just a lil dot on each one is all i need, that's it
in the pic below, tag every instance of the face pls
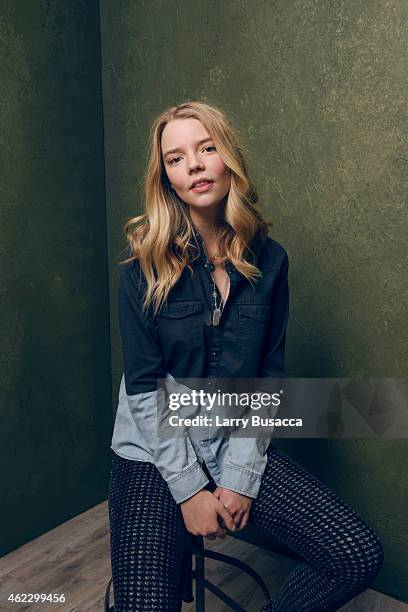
(189, 155)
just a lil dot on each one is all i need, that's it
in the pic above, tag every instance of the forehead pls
(182, 131)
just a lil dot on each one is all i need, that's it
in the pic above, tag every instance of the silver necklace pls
(219, 308)
(216, 316)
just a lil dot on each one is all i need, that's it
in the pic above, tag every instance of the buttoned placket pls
(214, 351)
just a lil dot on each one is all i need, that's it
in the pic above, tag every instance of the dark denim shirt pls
(181, 342)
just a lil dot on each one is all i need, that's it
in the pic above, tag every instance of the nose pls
(194, 163)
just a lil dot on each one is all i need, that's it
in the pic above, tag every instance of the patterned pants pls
(341, 553)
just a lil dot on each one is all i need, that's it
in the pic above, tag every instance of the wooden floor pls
(74, 559)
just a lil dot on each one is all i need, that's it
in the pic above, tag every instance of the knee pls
(363, 560)
(376, 556)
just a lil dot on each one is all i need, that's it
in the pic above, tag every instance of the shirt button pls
(213, 353)
(203, 443)
(211, 267)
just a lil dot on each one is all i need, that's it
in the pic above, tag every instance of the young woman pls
(204, 294)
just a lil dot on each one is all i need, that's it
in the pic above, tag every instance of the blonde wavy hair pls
(163, 238)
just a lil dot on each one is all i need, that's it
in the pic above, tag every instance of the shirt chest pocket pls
(180, 325)
(252, 326)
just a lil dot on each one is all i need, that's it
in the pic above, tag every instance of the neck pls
(207, 227)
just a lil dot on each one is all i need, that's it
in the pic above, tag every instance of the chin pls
(205, 204)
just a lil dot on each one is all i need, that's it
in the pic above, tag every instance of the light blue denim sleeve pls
(246, 463)
(174, 457)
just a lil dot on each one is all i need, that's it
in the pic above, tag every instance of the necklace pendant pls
(216, 316)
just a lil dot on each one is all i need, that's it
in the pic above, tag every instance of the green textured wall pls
(318, 90)
(55, 353)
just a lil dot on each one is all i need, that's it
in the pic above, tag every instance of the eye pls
(209, 147)
(173, 160)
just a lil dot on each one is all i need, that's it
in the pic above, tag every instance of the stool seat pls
(194, 547)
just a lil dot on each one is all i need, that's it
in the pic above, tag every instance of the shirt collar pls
(229, 265)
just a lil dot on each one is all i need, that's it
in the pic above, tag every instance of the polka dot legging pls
(341, 553)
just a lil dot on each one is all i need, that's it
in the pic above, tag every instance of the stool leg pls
(199, 574)
(107, 606)
(187, 571)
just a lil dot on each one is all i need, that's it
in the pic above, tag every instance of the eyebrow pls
(200, 142)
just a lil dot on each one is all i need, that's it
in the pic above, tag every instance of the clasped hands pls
(211, 514)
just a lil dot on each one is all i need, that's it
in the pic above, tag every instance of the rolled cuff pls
(187, 483)
(240, 480)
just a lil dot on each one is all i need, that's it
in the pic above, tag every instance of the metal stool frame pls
(195, 547)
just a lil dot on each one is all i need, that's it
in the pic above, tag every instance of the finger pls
(238, 519)
(221, 533)
(243, 525)
(226, 516)
(244, 521)
(221, 523)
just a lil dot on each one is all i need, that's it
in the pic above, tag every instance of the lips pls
(202, 187)
(201, 183)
